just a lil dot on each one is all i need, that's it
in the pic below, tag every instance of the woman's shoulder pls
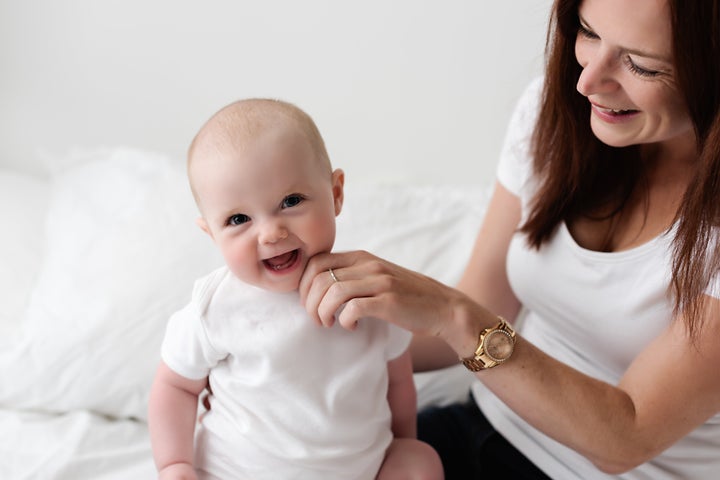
(515, 164)
(529, 101)
(713, 287)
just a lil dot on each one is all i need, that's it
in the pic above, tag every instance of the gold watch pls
(495, 345)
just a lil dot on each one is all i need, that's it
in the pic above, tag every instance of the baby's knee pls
(410, 459)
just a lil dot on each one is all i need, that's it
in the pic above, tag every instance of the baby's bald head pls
(236, 127)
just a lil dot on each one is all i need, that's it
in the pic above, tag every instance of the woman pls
(602, 229)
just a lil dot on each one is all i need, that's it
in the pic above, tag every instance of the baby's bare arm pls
(172, 416)
(402, 396)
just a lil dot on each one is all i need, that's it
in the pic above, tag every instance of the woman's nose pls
(598, 72)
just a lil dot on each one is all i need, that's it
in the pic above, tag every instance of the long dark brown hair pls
(580, 175)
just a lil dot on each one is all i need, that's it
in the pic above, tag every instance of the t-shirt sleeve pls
(515, 164)
(186, 348)
(713, 288)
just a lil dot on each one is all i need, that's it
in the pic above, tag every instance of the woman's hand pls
(368, 286)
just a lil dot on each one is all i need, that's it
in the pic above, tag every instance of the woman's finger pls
(320, 264)
(327, 295)
(367, 286)
(317, 281)
(357, 288)
(317, 294)
(314, 265)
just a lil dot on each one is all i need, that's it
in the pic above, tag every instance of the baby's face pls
(269, 209)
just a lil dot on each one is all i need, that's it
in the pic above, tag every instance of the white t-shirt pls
(594, 311)
(291, 399)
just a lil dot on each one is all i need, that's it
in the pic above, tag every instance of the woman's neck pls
(653, 205)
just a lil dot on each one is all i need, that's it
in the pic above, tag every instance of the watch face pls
(499, 345)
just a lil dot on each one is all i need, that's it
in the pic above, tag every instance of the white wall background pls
(413, 91)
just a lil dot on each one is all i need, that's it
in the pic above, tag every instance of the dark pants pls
(470, 448)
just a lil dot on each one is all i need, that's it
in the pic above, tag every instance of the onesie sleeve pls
(515, 164)
(398, 341)
(187, 348)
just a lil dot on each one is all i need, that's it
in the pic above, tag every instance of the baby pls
(289, 399)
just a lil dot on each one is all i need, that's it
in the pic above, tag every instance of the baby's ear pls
(202, 223)
(338, 182)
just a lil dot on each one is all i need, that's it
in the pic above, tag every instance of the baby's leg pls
(410, 459)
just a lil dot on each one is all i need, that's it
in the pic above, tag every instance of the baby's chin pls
(273, 283)
(286, 284)
(281, 288)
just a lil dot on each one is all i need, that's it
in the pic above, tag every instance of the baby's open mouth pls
(283, 261)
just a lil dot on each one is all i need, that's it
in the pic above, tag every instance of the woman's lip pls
(612, 115)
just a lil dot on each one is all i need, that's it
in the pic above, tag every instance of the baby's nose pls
(273, 233)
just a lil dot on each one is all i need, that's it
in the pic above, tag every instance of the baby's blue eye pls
(238, 219)
(292, 200)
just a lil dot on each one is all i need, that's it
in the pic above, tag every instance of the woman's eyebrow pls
(632, 51)
(654, 56)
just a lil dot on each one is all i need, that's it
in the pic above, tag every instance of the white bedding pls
(73, 446)
(95, 258)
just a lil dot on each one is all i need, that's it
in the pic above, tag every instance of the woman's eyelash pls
(586, 32)
(639, 70)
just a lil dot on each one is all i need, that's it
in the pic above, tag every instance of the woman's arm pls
(402, 397)
(484, 279)
(370, 286)
(171, 417)
(670, 388)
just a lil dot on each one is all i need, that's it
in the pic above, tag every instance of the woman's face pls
(625, 50)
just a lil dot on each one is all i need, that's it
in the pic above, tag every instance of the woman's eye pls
(238, 219)
(586, 32)
(638, 70)
(292, 200)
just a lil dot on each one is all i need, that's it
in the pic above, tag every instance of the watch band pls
(482, 359)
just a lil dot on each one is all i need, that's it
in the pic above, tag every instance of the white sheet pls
(73, 446)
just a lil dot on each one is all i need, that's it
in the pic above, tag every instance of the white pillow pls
(23, 203)
(430, 229)
(121, 256)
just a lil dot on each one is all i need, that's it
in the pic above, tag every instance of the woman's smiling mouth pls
(612, 115)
